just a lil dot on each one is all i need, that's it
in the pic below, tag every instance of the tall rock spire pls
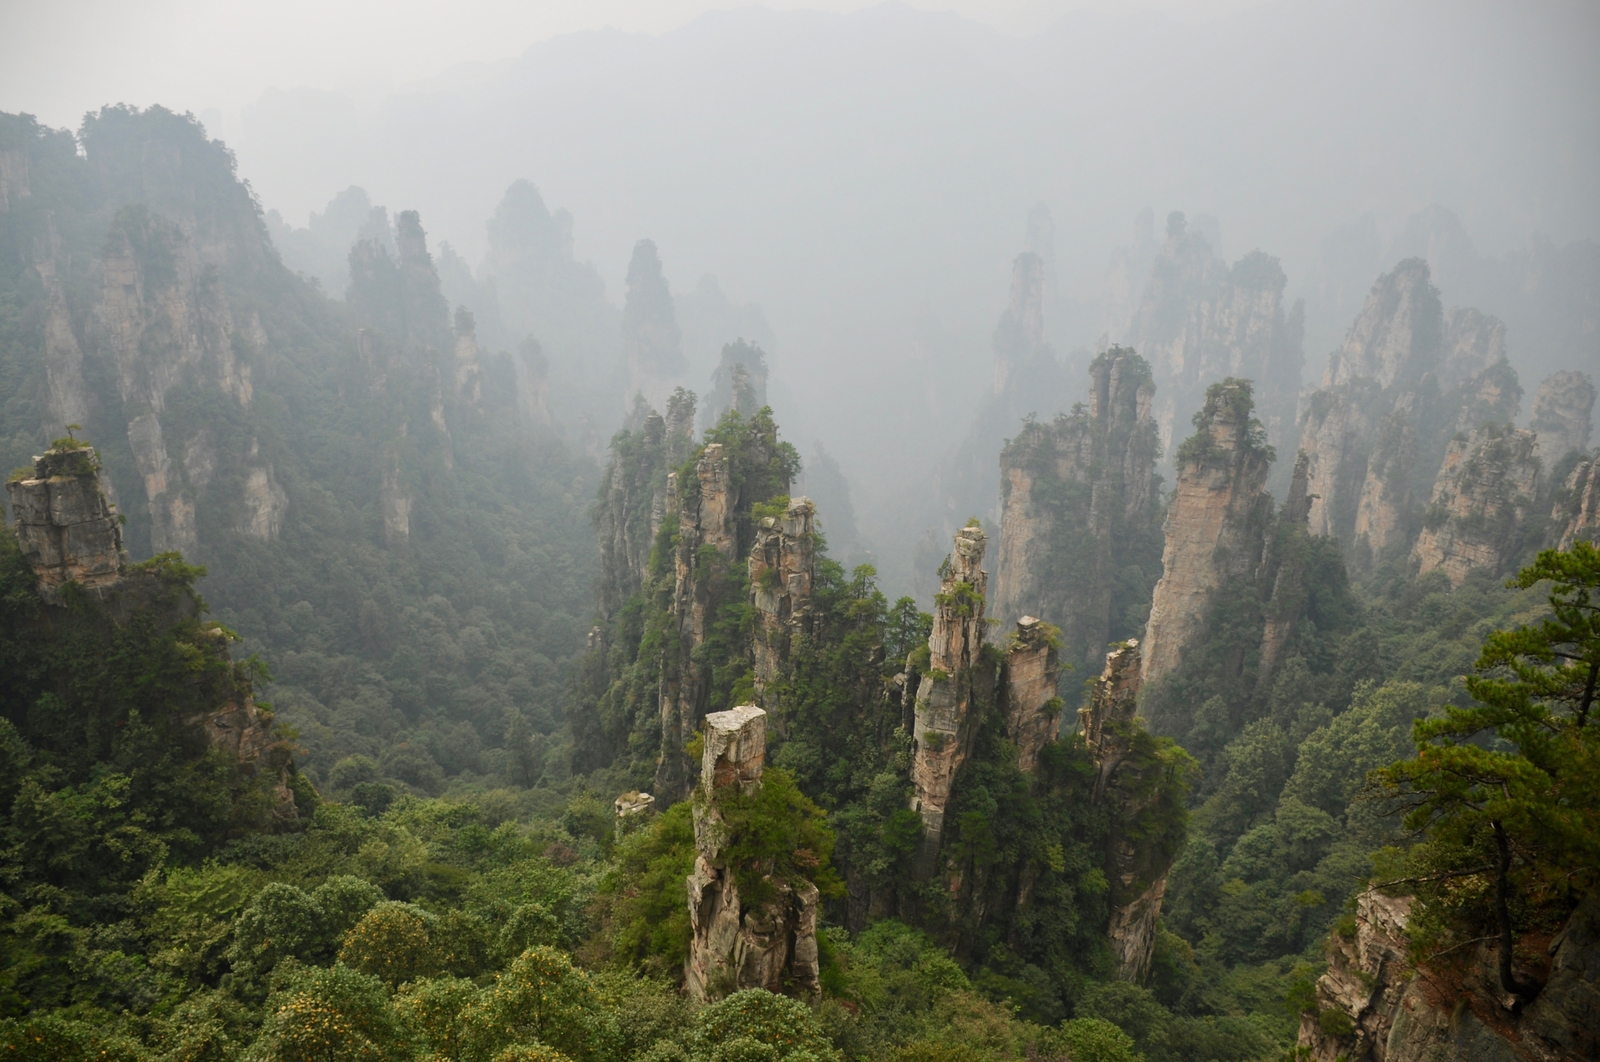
(1481, 500)
(945, 696)
(1215, 524)
(1078, 508)
(652, 346)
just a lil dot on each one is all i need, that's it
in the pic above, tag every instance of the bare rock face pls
(1576, 513)
(739, 382)
(1491, 396)
(944, 699)
(1111, 707)
(468, 364)
(1562, 411)
(395, 501)
(1367, 975)
(1473, 341)
(1382, 514)
(1399, 334)
(1484, 492)
(1456, 1012)
(69, 533)
(782, 569)
(1215, 524)
(705, 519)
(1334, 434)
(1028, 700)
(735, 944)
(1076, 495)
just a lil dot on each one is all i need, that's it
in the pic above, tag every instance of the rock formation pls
(1473, 341)
(1078, 507)
(1020, 334)
(1562, 411)
(739, 382)
(467, 363)
(1199, 321)
(782, 569)
(1283, 570)
(736, 944)
(1028, 700)
(706, 543)
(1454, 1010)
(68, 532)
(1576, 512)
(1136, 864)
(1216, 522)
(1398, 336)
(1484, 493)
(945, 706)
(1384, 508)
(651, 345)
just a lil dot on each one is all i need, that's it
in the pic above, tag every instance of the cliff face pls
(1455, 1012)
(1215, 524)
(1484, 493)
(1399, 334)
(736, 944)
(782, 570)
(1284, 572)
(1562, 411)
(1019, 337)
(945, 706)
(1078, 508)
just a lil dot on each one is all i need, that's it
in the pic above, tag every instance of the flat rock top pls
(734, 718)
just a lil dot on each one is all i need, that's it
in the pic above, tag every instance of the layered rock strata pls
(706, 543)
(735, 944)
(1029, 703)
(68, 531)
(1483, 495)
(1216, 522)
(1562, 411)
(1077, 498)
(1367, 975)
(782, 569)
(945, 695)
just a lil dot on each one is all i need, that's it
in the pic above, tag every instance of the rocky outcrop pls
(651, 344)
(945, 707)
(1576, 512)
(1112, 705)
(1562, 411)
(395, 501)
(467, 364)
(736, 944)
(1384, 508)
(782, 570)
(1216, 522)
(1481, 500)
(706, 544)
(1373, 1006)
(1029, 677)
(1020, 334)
(1367, 975)
(1078, 507)
(68, 532)
(1473, 341)
(1200, 320)
(1492, 396)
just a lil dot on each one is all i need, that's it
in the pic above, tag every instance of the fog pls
(858, 179)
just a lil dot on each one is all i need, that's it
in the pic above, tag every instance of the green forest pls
(384, 729)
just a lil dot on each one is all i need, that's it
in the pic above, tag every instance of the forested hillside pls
(472, 750)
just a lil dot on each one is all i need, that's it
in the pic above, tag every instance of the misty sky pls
(61, 58)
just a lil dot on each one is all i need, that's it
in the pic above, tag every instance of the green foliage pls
(642, 900)
(776, 834)
(739, 1027)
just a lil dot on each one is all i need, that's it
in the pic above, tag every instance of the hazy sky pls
(60, 58)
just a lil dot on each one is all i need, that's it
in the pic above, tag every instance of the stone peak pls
(735, 747)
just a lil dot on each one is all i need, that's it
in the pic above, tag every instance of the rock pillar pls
(944, 704)
(69, 533)
(736, 944)
(1028, 700)
(1215, 525)
(1562, 410)
(782, 569)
